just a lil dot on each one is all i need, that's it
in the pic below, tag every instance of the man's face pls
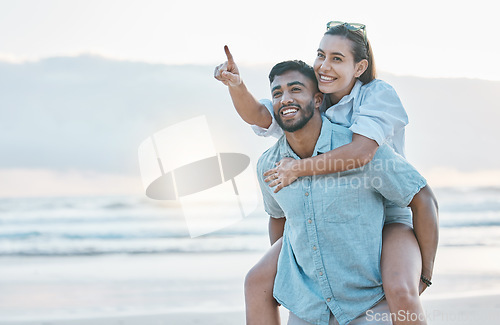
(293, 100)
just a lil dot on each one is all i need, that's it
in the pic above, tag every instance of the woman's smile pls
(326, 79)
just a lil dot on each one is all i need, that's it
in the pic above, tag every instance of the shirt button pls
(320, 273)
(310, 221)
(307, 193)
(328, 299)
(314, 247)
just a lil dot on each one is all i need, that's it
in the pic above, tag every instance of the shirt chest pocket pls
(341, 204)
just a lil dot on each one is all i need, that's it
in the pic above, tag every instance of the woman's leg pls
(261, 307)
(401, 265)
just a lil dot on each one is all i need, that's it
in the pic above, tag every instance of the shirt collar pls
(344, 100)
(323, 144)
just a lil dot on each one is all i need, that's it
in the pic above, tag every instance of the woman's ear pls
(361, 67)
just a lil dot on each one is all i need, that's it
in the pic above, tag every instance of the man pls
(329, 265)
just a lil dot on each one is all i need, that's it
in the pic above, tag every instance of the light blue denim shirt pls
(373, 110)
(330, 258)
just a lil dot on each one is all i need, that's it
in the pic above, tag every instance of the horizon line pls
(19, 60)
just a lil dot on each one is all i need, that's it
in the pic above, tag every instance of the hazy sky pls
(428, 38)
(431, 38)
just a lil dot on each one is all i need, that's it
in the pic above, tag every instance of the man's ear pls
(361, 67)
(318, 99)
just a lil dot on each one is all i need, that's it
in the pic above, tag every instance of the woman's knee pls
(257, 277)
(402, 292)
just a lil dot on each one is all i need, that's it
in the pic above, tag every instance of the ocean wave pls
(483, 206)
(118, 206)
(20, 236)
(36, 253)
(106, 236)
(69, 219)
(470, 224)
(131, 225)
(468, 190)
(469, 245)
(99, 246)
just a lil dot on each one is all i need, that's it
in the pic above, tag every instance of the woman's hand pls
(228, 72)
(284, 174)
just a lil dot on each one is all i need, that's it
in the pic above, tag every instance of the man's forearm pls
(426, 226)
(249, 108)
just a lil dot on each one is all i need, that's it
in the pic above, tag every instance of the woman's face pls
(335, 68)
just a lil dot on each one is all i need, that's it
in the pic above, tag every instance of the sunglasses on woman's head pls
(350, 26)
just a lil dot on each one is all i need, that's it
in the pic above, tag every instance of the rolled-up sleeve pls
(270, 205)
(274, 129)
(381, 113)
(393, 177)
(395, 214)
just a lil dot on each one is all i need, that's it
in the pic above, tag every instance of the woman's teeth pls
(326, 78)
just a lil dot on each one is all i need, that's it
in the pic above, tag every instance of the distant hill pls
(92, 113)
(453, 122)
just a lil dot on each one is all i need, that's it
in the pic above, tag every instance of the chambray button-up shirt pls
(330, 258)
(373, 110)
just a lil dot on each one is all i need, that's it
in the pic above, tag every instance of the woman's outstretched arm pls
(249, 108)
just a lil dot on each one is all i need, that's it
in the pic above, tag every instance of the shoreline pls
(188, 289)
(456, 311)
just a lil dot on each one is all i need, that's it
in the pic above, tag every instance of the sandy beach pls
(205, 289)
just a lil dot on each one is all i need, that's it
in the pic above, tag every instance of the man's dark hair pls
(295, 65)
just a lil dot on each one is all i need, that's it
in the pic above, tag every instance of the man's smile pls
(289, 111)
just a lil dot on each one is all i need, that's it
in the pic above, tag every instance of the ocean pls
(72, 226)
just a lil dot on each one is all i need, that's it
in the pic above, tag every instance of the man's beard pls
(308, 113)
